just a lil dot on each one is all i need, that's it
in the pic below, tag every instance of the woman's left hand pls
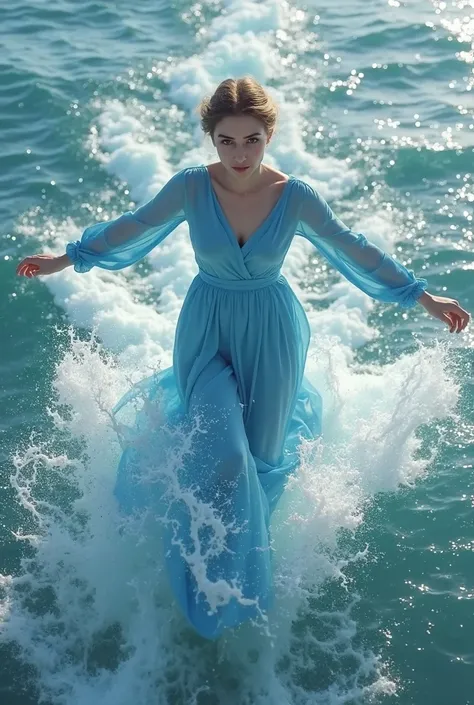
(447, 310)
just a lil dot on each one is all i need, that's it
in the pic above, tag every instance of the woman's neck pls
(238, 186)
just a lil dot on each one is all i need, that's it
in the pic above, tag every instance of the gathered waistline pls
(240, 284)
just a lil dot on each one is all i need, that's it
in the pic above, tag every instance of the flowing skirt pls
(211, 442)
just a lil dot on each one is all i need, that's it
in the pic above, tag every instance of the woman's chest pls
(245, 215)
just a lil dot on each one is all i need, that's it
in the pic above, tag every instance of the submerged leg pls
(217, 546)
(282, 408)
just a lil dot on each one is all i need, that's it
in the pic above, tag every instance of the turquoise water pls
(374, 540)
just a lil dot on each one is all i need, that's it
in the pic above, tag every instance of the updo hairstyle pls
(238, 96)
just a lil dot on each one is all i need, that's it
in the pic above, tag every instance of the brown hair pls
(238, 96)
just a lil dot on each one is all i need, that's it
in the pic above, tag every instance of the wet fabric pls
(230, 413)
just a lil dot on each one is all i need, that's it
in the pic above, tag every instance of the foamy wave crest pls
(91, 610)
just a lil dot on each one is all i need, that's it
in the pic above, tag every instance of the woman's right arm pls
(42, 264)
(121, 242)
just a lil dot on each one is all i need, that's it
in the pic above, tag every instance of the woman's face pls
(240, 141)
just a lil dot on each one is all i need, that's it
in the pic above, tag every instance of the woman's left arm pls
(366, 265)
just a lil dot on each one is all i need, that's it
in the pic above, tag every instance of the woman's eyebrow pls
(245, 138)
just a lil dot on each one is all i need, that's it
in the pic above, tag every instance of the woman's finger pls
(447, 319)
(25, 262)
(460, 316)
(461, 323)
(464, 317)
(23, 267)
(457, 322)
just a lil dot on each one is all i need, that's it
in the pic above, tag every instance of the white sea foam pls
(109, 607)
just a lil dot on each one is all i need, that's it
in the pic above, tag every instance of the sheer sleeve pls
(360, 261)
(118, 243)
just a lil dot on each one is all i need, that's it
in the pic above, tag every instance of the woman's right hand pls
(40, 265)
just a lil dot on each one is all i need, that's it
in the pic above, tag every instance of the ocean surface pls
(374, 539)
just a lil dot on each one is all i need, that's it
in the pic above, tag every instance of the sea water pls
(373, 538)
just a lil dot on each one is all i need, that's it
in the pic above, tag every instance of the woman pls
(237, 386)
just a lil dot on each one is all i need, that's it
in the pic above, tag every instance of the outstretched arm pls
(120, 242)
(366, 265)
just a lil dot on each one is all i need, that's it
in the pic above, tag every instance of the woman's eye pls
(252, 139)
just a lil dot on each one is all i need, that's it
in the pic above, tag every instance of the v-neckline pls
(241, 248)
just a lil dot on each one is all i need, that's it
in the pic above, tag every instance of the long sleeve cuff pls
(74, 254)
(413, 293)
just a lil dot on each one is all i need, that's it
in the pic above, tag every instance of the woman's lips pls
(240, 168)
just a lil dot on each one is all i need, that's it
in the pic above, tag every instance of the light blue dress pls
(238, 373)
